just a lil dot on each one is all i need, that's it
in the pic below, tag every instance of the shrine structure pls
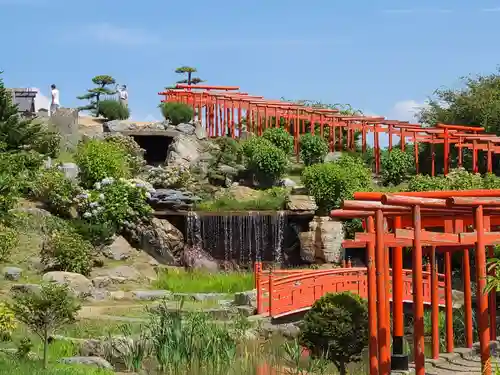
(226, 111)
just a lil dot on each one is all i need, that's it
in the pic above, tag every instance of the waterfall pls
(240, 238)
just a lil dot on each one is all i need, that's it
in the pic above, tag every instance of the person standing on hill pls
(54, 103)
(123, 96)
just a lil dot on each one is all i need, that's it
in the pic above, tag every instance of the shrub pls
(396, 166)
(457, 179)
(67, 251)
(7, 322)
(55, 190)
(113, 110)
(280, 138)
(9, 193)
(331, 183)
(336, 327)
(115, 204)
(177, 113)
(250, 145)
(273, 199)
(98, 160)
(135, 153)
(45, 311)
(9, 239)
(313, 149)
(268, 163)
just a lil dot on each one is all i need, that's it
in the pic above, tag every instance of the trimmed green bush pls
(267, 162)
(113, 110)
(336, 328)
(331, 183)
(67, 251)
(313, 149)
(397, 166)
(177, 113)
(457, 179)
(280, 138)
(98, 160)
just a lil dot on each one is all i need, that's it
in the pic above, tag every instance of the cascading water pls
(239, 238)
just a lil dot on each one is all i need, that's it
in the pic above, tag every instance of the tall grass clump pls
(182, 281)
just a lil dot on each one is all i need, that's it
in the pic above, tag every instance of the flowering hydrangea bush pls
(118, 202)
(170, 177)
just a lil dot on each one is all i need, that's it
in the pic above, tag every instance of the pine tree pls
(18, 134)
(94, 95)
(190, 80)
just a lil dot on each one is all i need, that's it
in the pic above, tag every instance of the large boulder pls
(301, 203)
(185, 150)
(87, 361)
(161, 240)
(323, 241)
(78, 284)
(120, 249)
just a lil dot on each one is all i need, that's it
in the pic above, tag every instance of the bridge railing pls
(282, 292)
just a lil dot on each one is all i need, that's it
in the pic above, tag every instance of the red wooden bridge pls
(286, 292)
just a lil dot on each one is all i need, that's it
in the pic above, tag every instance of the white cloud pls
(406, 110)
(41, 101)
(108, 33)
(491, 9)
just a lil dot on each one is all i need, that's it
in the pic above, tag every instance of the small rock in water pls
(87, 361)
(12, 273)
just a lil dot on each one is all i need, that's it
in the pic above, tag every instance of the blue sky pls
(384, 57)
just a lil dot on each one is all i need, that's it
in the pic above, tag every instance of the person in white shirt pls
(54, 104)
(123, 96)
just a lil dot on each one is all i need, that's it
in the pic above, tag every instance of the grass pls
(181, 281)
(273, 199)
(17, 367)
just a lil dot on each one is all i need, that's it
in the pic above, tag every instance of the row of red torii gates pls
(224, 110)
(429, 223)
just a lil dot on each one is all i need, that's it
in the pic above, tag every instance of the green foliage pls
(267, 163)
(397, 165)
(116, 204)
(94, 95)
(313, 149)
(52, 188)
(336, 328)
(9, 193)
(18, 134)
(45, 311)
(135, 154)
(273, 199)
(179, 342)
(9, 238)
(457, 179)
(188, 71)
(251, 144)
(113, 110)
(98, 160)
(7, 322)
(67, 251)
(226, 160)
(280, 138)
(177, 113)
(331, 183)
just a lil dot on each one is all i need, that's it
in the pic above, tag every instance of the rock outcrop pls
(323, 241)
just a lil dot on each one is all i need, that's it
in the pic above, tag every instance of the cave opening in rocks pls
(155, 147)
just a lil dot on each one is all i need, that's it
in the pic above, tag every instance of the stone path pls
(461, 361)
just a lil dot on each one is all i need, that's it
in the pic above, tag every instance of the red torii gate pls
(226, 109)
(453, 212)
